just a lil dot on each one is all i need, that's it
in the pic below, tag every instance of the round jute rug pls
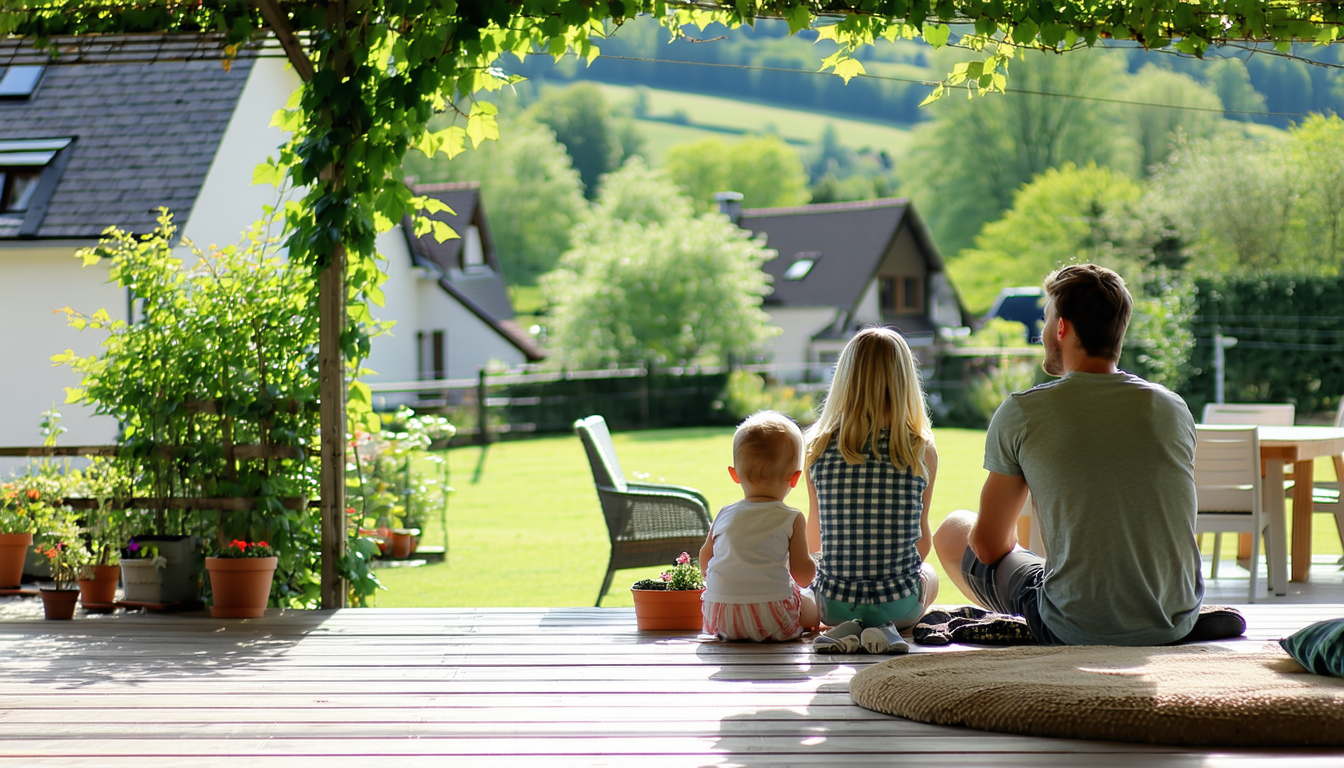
(1187, 695)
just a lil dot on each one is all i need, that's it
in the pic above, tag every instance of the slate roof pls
(484, 293)
(145, 135)
(852, 238)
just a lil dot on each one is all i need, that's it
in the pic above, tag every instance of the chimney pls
(730, 204)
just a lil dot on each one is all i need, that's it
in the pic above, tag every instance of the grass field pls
(530, 532)
(711, 116)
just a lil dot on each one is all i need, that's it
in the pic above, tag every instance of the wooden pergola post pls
(331, 390)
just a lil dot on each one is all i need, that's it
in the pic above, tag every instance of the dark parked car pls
(1022, 305)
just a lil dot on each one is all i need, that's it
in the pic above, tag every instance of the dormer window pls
(19, 81)
(28, 174)
(802, 264)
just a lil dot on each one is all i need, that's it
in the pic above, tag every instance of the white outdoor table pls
(1300, 446)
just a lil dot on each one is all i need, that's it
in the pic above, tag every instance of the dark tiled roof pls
(852, 239)
(484, 292)
(486, 288)
(145, 135)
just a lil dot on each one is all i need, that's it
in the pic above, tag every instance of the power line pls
(931, 83)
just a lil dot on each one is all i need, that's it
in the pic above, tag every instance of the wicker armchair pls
(649, 523)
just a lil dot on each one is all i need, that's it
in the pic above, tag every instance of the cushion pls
(1319, 647)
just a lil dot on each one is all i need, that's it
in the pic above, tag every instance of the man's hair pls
(767, 446)
(1096, 301)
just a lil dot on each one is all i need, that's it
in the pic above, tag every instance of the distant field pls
(732, 117)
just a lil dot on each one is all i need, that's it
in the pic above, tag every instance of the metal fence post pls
(482, 412)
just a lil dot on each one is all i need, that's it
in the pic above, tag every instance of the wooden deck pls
(572, 686)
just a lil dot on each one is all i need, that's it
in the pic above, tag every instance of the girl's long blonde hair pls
(875, 387)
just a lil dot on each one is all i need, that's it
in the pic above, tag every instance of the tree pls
(1233, 199)
(649, 280)
(764, 169)
(582, 122)
(1318, 149)
(1233, 86)
(531, 193)
(1196, 111)
(965, 165)
(1065, 215)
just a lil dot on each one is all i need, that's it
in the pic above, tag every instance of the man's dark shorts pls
(1012, 585)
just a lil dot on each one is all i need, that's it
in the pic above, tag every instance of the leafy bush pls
(218, 355)
(747, 393)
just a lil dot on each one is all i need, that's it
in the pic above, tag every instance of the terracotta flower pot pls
(668, 609)
(59, 603)
(13, 551)
(403, 542)
(101, 590)
(242, 585)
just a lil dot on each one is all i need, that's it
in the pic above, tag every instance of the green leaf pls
(798, 17)
(848, 69)
(934, 95)
(936, 34)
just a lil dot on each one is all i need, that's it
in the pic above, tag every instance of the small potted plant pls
(20, 507)
(65, 553)
(240, 578)
(671, 601)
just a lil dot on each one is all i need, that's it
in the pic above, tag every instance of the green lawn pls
(530, 532)
(711, 116)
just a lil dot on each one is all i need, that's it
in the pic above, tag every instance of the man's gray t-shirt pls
(1109, 460)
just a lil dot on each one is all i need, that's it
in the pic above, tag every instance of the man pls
(1109, 460)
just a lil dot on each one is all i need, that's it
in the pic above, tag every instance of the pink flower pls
(666, 576)
(683, 559)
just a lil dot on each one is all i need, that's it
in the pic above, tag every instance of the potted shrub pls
(240, 579)
(671, 601)
(20, 506)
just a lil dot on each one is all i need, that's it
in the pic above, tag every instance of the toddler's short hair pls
(767, 446)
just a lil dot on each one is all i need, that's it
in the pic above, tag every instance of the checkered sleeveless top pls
(869, 526)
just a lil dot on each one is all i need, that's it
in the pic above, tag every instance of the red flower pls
(33, 494)
(261, 544)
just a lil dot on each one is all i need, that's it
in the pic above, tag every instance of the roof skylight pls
(802, 264)
(19, 81)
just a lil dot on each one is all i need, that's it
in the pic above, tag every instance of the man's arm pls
(1001, 502)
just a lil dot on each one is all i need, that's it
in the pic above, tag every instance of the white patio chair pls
(1259, 414)
(1228, 487)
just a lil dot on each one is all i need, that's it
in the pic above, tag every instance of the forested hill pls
(747, 63)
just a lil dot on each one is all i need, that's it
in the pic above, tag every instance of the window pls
(886, 294)
(17, 186)
(900, 295)
(802, 264)
(28, 173)
(19, 81)
(912, 295)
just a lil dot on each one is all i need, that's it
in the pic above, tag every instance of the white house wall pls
(869, 309)
(791, 349)
(229, 202)
(37, 282)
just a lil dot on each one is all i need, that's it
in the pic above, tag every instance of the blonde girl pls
(870, 465)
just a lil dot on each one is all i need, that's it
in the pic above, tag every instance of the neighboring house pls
(842, 266)
(85, 147)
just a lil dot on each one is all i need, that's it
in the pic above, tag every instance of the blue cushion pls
(1319, 647)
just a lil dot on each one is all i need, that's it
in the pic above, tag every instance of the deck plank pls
(571, 686)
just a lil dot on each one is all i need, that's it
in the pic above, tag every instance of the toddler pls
(756, 553)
